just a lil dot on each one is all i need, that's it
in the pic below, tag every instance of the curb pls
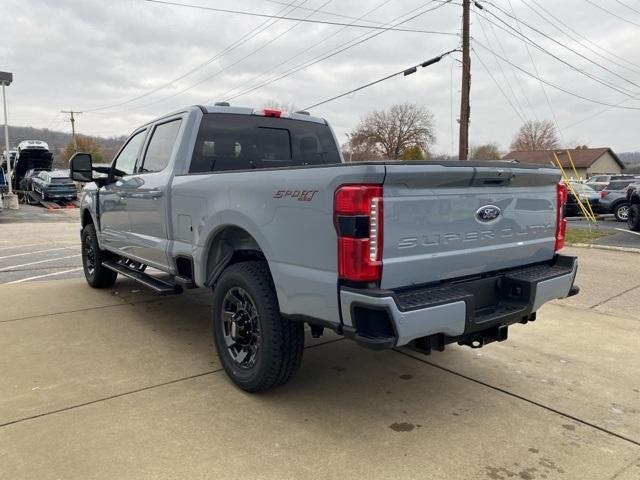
(604, 247)
(603, 216)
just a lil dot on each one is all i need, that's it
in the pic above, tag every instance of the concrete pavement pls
(37, 244)
(122, 384)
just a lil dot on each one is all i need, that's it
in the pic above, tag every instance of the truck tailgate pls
(439, 220)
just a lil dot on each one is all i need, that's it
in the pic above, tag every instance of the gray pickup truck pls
(258, 206)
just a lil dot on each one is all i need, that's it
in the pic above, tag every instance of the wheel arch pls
(86, 218)
(227, 245)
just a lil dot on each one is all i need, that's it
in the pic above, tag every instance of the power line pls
(499, 87)
(535, 68)
(227, 67)
(627, 6)
(294, 19)
(406, 72)
(553, 85)
(573, 67)
(302, 52)
(528, 41)
(331, 52)
(442, 2)
(600, 112)
(229, 48)
(516, 75)
(520, 113)
(336, 51)
(586, 39)
(512, 16)
(580, 40)
(613, 13)
(339, 15)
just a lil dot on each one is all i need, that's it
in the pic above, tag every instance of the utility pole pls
(73, 126)
(10, 199)
(465, 109)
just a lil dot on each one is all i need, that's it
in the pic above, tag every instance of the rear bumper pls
(573, 209)
(469, 311)
(59, 193)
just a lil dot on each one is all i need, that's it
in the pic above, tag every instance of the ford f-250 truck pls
(258, 206)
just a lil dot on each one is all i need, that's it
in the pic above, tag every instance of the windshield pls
(60, 180)
(582, 188)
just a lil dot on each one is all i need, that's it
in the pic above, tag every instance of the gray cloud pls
(90, 53)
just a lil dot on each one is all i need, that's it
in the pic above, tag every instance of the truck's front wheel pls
(258, 348)
(633, 220)
(92, 257)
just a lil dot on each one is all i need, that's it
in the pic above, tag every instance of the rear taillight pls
(357, 211)
(603, 193)
(561, 222)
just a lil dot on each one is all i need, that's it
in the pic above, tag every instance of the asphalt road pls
(119, 383)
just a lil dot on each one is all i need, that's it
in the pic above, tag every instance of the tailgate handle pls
(495, 178)
(497, 181)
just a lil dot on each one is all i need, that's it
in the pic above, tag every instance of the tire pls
(634, 217)
(92, 257)
(621, 212)
(258, 348)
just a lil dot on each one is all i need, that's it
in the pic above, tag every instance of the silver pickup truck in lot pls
(258, 206)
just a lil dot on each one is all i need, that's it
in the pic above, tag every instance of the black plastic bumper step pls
(159, 286)
(430, 297)
(539, 273)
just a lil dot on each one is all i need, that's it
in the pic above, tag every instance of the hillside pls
(59, 140)
(631, 160)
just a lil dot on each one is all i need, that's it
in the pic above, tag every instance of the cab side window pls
(160, 147)
(126, 162)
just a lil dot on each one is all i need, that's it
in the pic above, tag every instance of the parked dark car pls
(26, 181)
(54, 184)
(633, 199)
(613, 199)
(586, 194)
(600, 182)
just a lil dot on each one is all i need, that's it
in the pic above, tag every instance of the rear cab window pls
(228, 142)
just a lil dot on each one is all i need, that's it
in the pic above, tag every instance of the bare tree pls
(536, 135)
(488, 151)
(389, 133)
(357, 150)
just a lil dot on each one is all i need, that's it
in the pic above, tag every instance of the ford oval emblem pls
(488, 213)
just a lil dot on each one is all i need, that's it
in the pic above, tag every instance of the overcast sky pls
(90, 54)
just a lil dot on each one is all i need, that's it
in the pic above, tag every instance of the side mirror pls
(81, 168)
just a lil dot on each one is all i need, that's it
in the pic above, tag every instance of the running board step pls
(159, 286)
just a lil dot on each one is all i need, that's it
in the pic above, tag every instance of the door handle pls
(153, 194)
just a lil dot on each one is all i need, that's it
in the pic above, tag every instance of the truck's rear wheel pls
(633, 220)
(258, 348)
(92, 257)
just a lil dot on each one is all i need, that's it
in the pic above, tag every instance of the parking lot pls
(120, 383)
